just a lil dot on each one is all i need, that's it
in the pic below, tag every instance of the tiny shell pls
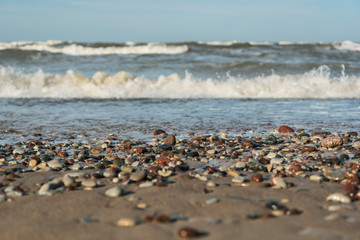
(338, 197)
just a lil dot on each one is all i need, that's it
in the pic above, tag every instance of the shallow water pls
(138, 118)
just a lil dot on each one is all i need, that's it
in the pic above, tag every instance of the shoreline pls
(278, 184)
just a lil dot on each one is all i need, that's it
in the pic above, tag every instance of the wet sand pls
(239, 206)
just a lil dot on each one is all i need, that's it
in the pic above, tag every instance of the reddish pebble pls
(257, 178)
(187, 232)
(285, 129)
(62, 154)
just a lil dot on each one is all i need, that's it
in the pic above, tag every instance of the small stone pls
(212, 200)
(115, 192)
(146, 184)
(109, 174)
(233, 174)
(187, 232)
(170, 140)
(138, 175)
(238, 179)
(126, 222)
(271, 140)
(159, 132)
(356, 145)
(89, 183)
(316, 178)
(308, 148)
(55, 164)
(334, 175)
(257, 178)
(210, 184)
(331, 142)
(278, 182)
(68, 181)
(285, 129)
(338, 197)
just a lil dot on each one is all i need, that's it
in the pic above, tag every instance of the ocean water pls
(131, 89)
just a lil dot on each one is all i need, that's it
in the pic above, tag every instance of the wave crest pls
(73, 49)
(317, 83)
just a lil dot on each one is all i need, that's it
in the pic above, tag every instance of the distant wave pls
(348, 46)
(313, 84)
(76, 49)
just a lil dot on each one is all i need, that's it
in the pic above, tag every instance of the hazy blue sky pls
(180, 20)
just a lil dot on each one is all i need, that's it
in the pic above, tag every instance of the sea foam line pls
(317, 84)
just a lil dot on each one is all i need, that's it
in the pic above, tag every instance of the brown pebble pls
(170, 140)
(257, 178)
(162, 219)
(331, 142)
(285, 129)
(187, 232)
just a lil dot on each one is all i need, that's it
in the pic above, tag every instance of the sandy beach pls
(288, 184)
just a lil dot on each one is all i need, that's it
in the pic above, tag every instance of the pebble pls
(238, 179)
(212, 200)
(338, 197)
(68, 180)
(55, 164)
(146, 184)
(335, 175)
(89, 183)
(211, 184)
(285, 129)
(278, 182)
(316, 178)
(356, 145)
(170, 140)
(126, 222)
(331, 142)
(187, 232)
(138, 175)
(115, 192)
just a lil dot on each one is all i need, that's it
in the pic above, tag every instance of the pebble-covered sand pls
(285, 183)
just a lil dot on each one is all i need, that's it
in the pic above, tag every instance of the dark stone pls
(164, 147)
(271, 140)
(193, 154)
(344, 157)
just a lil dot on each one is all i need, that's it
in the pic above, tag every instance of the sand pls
(237, 213)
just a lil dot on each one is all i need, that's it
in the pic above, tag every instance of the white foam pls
(219, 43)
(74, 49)
(348, 46)
(313, 84)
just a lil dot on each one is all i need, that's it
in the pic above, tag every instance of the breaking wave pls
(74, 49)
(313, 84)
(348, 46)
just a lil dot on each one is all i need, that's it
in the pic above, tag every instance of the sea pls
(130, 89)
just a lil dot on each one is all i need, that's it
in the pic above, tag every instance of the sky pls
(180, 20)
